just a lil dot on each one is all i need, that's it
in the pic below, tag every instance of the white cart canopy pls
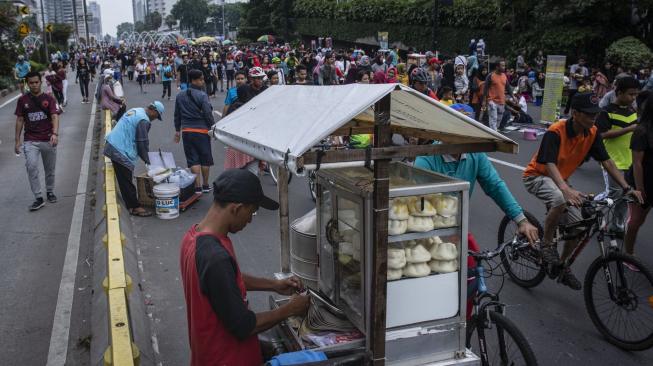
(284, 122)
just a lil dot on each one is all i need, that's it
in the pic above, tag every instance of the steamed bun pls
(394, 274)
(446, 205)
(398, 209)
(443, 266)
(417, 270)
(396, 258)
(397, 227)
(443, 221)
(420, 224)
(444, 251)
(416, 209)
(417, 254)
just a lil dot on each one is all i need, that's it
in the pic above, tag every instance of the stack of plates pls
(321, 318)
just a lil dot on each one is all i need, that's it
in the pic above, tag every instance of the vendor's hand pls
(573, 197)
(298, 305)
(529, 231)
(177, 137)
(288, 286)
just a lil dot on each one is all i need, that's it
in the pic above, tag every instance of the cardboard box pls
(144, 189)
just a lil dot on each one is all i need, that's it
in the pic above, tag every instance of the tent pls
(286, 121)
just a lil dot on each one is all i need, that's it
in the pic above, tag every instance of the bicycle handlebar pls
(489, 254)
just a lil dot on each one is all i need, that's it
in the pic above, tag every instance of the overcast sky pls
(115, 12)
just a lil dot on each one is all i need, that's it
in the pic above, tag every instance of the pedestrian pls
(222, 330)
(640, 174)
(83, 75)
(232, 95)
(54, 78)
(327, 71)
(167, 75)
(109, 100)
(494, 94)
(126, 142)
(577, 73)
(476, 90)
(194, 119)
(182, 73)
(61, 73)
(538, 89)
(21, 69)
(141, 73)
(37, 115)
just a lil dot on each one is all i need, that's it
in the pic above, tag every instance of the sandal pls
(143, 213)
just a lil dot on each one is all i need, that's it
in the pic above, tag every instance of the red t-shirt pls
(207, 262)
(37, 122)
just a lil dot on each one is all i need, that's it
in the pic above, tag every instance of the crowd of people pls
(608, 109)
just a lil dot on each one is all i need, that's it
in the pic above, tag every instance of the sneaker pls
(51, 197)
(568, 279)
(198, 190)
(551, 260)
(37, 204)
(206, 189)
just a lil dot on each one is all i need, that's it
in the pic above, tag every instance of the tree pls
(170, 21)
(124, 27)
(153, 21)
(629, 52)
(256, 19)
(139, 26)
(191, 14)
(60, 34)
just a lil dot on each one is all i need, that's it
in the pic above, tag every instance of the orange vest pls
(573, 151)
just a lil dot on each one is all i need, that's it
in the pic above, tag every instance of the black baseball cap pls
(586, 103)
(241, 186)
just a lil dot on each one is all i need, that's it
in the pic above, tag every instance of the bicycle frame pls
(481, 312)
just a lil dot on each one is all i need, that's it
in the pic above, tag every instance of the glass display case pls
(427, 247)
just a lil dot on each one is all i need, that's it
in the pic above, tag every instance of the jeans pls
(495, 114)
(124, 176)
(83, 86)
(166, 87)
(48, 153)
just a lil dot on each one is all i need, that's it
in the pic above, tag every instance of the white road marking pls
(61, 325)
(505, 163)
(218, 113)
(10, 100)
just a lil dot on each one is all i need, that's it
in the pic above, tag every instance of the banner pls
(554, 82)
(383, 40)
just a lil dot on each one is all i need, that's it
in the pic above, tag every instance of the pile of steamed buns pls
(421, 213)
(422, 257)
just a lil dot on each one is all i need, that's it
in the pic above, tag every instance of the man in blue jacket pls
(125, 144)
(194, 119)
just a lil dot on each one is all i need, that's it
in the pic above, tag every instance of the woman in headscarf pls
(391, 75)
(379, 77)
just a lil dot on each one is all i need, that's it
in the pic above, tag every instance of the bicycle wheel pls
(522, 264)
(504, 342)
(624, 316)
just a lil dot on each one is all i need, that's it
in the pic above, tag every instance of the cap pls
(159, 108)
(241, 186)
(586, 103)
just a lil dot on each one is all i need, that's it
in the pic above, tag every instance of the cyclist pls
(21, 69)
(419, 81)
(562, 150)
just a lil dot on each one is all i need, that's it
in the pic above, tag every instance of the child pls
(447, 96)
(538, 89)
(461, 83)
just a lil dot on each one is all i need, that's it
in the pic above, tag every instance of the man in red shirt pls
(494, 94)
(221, 329)
(37, 115)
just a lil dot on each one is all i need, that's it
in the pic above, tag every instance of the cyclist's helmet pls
(418, 74)
(276, 60)
(256, 72)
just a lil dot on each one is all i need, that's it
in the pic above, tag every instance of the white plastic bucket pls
(166, 198)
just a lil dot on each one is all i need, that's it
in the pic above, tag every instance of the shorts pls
(546, 190)
(197, 148)
(230, 75)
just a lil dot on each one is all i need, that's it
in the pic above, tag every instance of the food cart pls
(391, 238)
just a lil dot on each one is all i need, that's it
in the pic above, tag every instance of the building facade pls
(61, 11)
(139, 9)
(95, 20)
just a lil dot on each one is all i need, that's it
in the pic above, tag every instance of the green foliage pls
(124, 27)
(37, 66)
(60, 34)
(256, 19)
(170, 21)
(139, 26)
(153, 21)
(191, 14)
(629, 52)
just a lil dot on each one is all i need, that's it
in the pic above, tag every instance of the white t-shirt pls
(140, 69)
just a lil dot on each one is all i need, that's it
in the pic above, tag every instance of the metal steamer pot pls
(303, 249)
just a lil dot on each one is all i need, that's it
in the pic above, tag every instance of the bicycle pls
(508, 342)
(614, 277)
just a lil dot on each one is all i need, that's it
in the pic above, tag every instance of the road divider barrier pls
(122, 351)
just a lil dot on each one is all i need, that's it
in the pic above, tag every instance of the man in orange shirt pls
(562, 150)
(494, 94)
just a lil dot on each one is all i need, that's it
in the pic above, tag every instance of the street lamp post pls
(88, 40)
(223, 35)
(45, 39)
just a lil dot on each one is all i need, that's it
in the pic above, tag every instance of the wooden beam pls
(391, 152)
(379, 250)
(284, 221)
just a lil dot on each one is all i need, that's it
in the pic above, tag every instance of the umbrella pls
(205, 39)
(227, 42)
(265, 38)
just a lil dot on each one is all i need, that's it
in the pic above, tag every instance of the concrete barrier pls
(121, 329)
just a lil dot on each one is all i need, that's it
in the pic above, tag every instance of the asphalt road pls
(33, 244)
(552, 317)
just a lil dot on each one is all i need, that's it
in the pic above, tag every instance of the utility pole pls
(75, 20)
(223, 35)
(45, 38)
(434, 29)
(88, 40)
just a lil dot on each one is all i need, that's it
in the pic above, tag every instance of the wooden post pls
(382, 137)
(284, 223)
